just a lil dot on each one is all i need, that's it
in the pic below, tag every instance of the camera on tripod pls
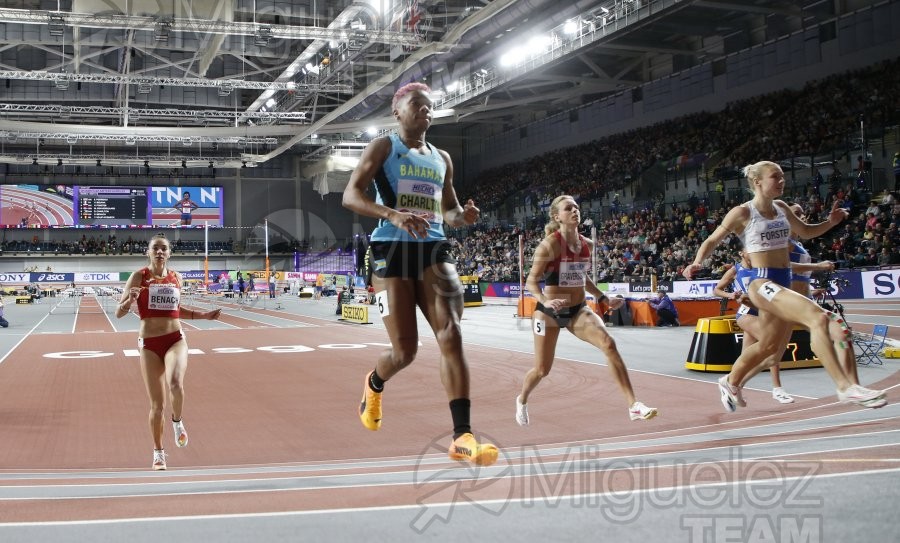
(824, 280)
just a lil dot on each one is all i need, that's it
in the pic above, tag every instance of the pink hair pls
(406, 89)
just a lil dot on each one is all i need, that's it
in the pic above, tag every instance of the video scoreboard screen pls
(36, 205)
(187, 206)
(111, 205)
(41, 206)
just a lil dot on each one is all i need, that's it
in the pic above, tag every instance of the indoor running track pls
(277, 452)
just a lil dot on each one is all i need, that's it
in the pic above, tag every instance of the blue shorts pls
(185, 217)
(743, 278)
(779, 276)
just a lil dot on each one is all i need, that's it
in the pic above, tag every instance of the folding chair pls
(870, 346)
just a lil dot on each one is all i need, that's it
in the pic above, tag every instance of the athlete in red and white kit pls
(561, 262)
(157, 291)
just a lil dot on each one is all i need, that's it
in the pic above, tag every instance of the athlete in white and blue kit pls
(411, 261)
(738, 278)
(764, 225)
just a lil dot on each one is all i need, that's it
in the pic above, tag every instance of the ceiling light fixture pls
(57, 25)
(62, 82)
(263, 36)
(162, 31)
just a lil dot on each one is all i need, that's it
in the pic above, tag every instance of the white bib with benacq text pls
(571, 274)
(163, 297)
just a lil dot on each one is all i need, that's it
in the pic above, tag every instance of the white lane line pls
(28, 333)
(598, 451)
(616, 462)
(580, 497)
(105, 314)
(75, 317)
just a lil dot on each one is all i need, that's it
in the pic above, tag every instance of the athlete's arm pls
(129, 295)
(808, 231)
(455, 215)
(727, 279)
(543, 256)
(734, 222)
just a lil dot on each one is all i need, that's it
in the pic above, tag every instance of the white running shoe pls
(639, 411)
(159, 459)
(863, 396)
(181, 437)
(781, 396)
(729, 394)
(521, 412)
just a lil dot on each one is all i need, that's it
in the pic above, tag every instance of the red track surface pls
(271, 413)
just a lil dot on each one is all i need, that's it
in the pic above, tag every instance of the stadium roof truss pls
(231, 81)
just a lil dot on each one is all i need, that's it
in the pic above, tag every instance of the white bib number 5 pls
(540, 327)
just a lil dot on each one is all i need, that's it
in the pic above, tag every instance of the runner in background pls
(156, 290)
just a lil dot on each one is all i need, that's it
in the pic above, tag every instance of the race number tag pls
(421, 198)
(743, 310)
(163, 297)
(381, 302)
(539, 325)
(571, 274)
(769, 290)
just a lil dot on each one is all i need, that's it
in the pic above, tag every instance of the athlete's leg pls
(546, 334)
(440, 296)
(588, 326)
(154, 373)
(398, 311)
(789, 307)
(176, 366)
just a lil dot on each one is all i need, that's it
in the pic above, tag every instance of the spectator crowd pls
(660, 239)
